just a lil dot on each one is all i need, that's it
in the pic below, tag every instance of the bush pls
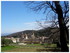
(6, 42)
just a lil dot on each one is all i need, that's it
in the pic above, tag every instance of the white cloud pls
(31, 24)
(36, 25)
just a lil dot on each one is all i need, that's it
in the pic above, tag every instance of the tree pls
(5, 42)
(62, 27)
(61, 10)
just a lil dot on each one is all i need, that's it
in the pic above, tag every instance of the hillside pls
(42, 32)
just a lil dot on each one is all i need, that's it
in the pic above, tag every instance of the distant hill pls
(41, 32)
(4, 34)
(18, 34)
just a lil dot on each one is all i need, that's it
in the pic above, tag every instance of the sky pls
(17, 16)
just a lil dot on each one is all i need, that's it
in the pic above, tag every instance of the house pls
(30, 38)
(15, 40)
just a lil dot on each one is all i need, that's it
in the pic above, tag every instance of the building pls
(30, 38)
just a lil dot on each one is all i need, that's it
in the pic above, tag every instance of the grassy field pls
(17, 49)
(27, 48)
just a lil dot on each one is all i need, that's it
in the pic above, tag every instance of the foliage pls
(5, 42)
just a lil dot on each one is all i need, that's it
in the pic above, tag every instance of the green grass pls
(20, 49)
(5, 48)
(25, 48)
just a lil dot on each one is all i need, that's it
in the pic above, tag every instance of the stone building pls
(30, 38)
(14, 40)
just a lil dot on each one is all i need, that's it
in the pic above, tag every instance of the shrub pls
(5, 42)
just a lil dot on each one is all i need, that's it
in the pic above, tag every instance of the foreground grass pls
(21, 48)
(5, 48)
(27, 48)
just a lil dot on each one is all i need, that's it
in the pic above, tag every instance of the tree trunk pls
(62, 26)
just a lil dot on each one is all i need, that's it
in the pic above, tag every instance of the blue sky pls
(16, 16)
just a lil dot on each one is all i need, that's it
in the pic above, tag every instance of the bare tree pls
(62, 25)
(61, 9)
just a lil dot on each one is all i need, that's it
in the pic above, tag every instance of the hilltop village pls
(31, 38)
(25, 38)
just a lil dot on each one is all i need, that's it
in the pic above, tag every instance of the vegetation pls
(5, 48)
(59, 11)
(41, 32)
(29, 48)
(5, 42)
